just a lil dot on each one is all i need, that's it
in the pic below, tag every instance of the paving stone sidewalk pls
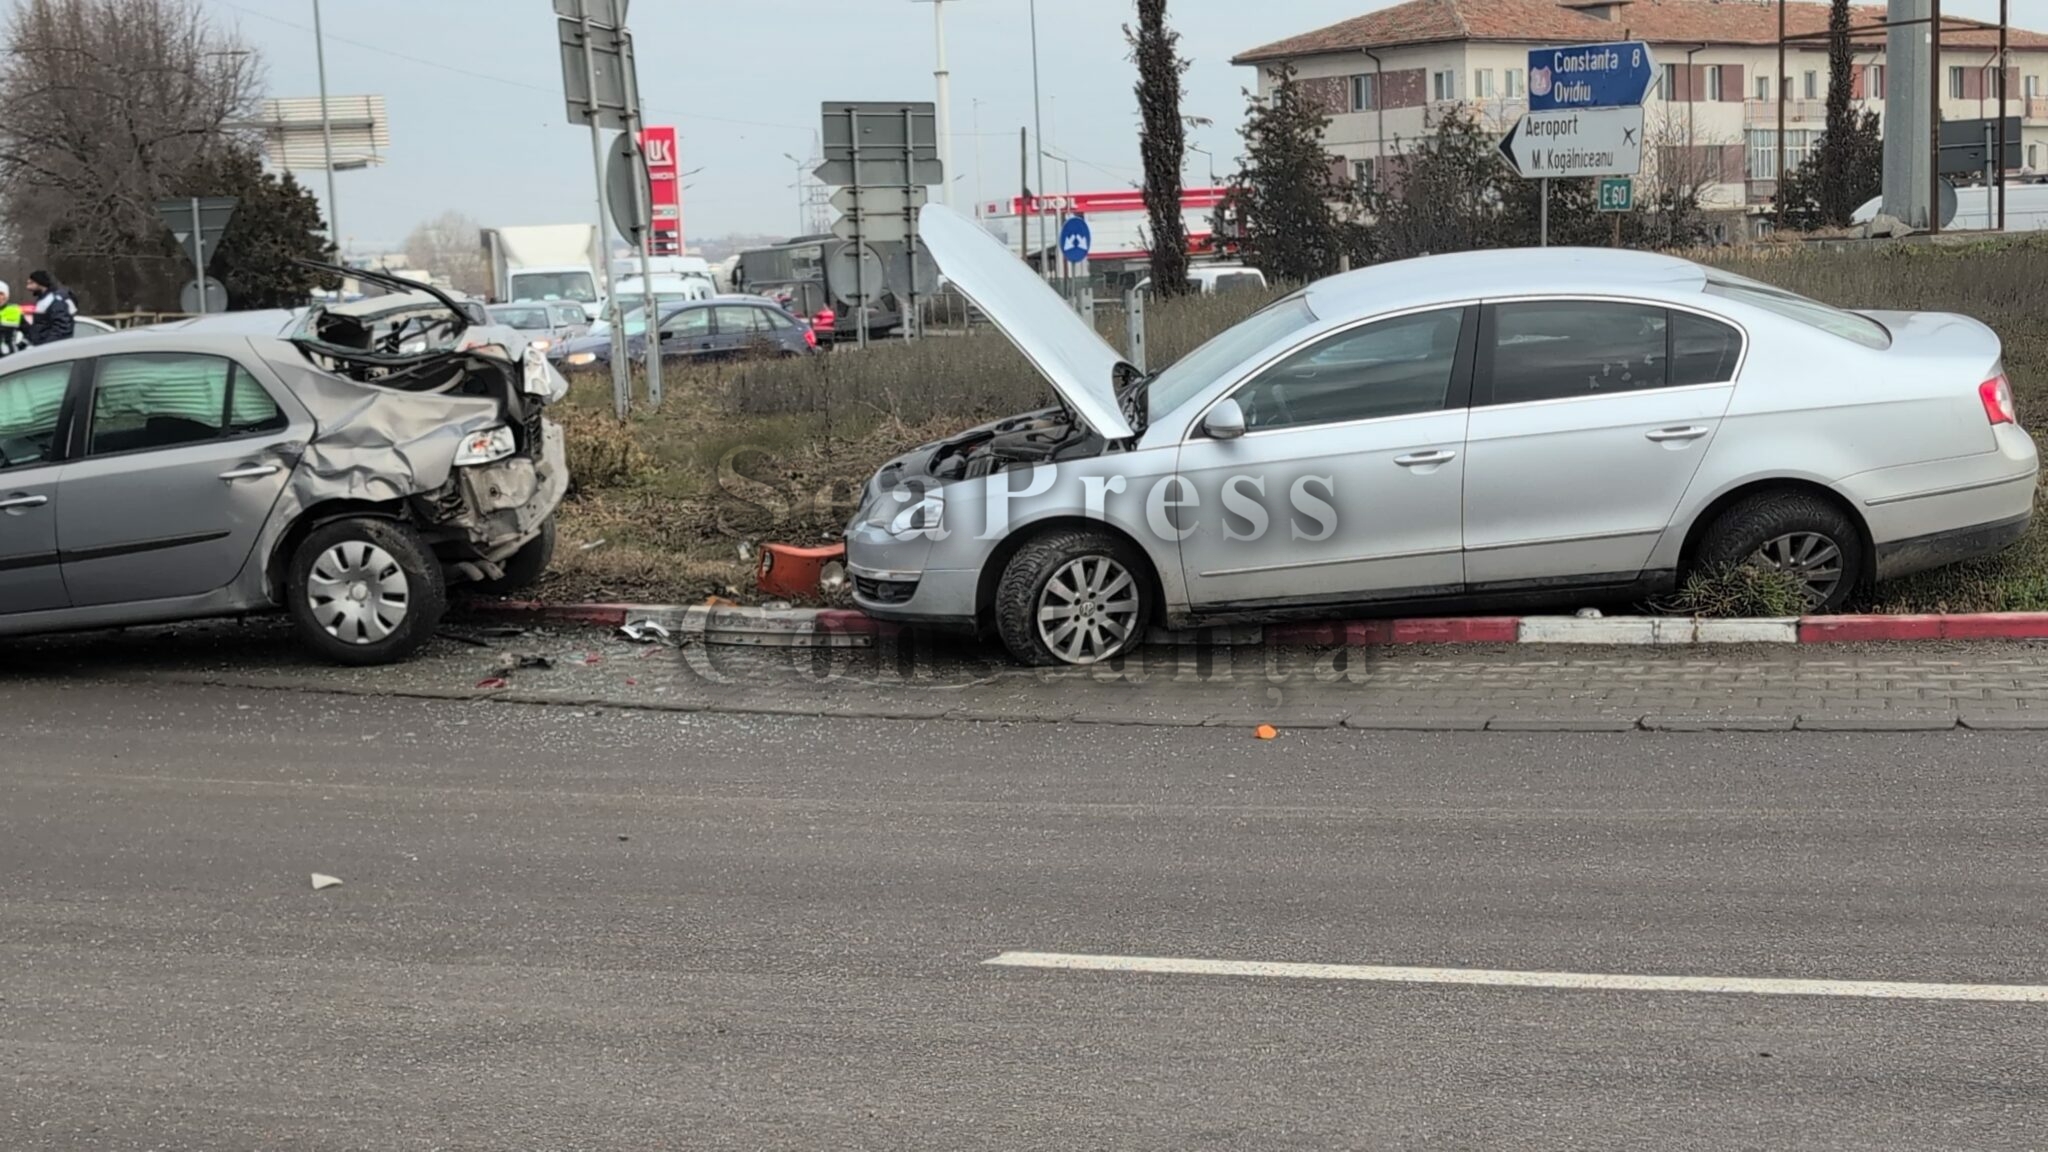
(1908, 687)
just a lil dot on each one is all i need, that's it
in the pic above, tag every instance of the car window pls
(1812, 313)
(525, 319)
(1182, 380)
(1240, 282)
(687, 323)
(1392, 368)
(569, 314)
(1560, 349)
(31, 401)
(778, 319)
(164, 399)
(1703, 351)
(740, 321)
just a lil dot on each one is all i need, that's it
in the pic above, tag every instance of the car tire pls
(1073, 596)
(1794, 531)
(365, 591)
(524, 568)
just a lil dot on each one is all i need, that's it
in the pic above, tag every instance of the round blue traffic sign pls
(1076, 240)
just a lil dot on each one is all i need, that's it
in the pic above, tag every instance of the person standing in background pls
(11, 338)
(55, 311)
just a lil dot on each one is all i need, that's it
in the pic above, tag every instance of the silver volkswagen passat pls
(1531, 426)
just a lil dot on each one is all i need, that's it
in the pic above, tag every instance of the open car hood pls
(413, 323)
(1078, 363)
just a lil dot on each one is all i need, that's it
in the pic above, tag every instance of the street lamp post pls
(1212, 162)
(326, 137)
(1038, 130)
(801, 215)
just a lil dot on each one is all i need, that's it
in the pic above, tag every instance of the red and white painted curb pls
(845, 627)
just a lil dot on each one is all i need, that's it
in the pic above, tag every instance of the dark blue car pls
(723, 328)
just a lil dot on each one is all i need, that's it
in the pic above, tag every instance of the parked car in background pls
(724, 328)
(570, 321)
(1575, 425)
(1213, 279)
(541, 324)
(87, 326)
(346, 474)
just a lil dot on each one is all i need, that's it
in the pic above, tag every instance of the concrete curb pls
(847, 628)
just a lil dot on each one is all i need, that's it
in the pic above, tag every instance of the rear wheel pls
(365, 591)
(1074, 596)
(1793, 532)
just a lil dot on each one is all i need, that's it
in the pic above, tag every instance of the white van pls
(2026, 209)
(1210, 279)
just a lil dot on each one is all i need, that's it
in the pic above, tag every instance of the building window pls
(1670, 81)
(1991, 87)
(1873, 82)
(1762, 147)
(1515, 83)
(1444, 85)
(1812, 87)
(1482, 83)
(1364, 96)
(1714, 83)
(1955, 83)
(1763, 89)
(1362, 173)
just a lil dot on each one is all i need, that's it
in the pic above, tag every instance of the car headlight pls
(920, 519)
(579, 359)
(485, 446)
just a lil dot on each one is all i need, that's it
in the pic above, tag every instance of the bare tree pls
(450, 245)
(112, 100)
(1164, 143)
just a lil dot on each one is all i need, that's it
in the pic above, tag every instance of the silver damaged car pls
(1529, 427)
(346, 473)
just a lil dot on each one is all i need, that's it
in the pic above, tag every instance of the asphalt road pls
(569, 929)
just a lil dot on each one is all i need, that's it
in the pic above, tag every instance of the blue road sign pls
(1076, 240)
(1590, 76)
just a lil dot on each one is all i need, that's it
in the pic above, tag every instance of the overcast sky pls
(477, 120)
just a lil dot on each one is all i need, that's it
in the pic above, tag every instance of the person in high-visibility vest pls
(11, 339)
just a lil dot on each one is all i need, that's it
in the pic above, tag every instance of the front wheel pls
(1075, 596)
(365, 591)
(1793, 532)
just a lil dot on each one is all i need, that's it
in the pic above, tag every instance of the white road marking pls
(1878, 989)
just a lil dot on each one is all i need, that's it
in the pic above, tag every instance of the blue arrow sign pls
(1615, 75)
(1076, 240)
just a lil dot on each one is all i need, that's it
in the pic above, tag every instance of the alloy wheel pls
(358, 592)
(1088, 609)
(1811, 557)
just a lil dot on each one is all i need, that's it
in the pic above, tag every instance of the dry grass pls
(778, 450)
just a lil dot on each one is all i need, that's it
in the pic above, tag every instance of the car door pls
(184, 457)
(32, 427)
(1346, 484)
(687, 335)
(1589, 419)
(741, 329)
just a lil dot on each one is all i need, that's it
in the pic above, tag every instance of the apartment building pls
(1712, 119)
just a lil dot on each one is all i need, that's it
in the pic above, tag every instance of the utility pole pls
(1024, 200)
(1911, 97)
(944, 80)
(326, 142)
(1038, 130)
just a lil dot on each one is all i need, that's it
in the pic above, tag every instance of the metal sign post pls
(910, 315)
(579, 25)
(882, 156)
(643, 209)
(197, 223)
(860, 247)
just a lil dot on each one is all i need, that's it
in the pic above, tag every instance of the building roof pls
(1746, 22)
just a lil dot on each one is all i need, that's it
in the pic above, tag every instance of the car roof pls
(1502, 272)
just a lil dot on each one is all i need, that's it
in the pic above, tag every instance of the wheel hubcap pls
(1089, 609)
(358, 592)
(1811, 557)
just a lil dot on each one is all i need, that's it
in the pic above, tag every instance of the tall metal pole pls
(1934, 118)
(326, 139)
(1024, 200)
(199, 260)
(2003, 95)
(642, 211)
(945, 83)
(1777, 185)
(980, 193)
(1543, 212)
(1038, 130)
(622, 367)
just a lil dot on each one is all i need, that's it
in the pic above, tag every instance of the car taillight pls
(810, 337)
(1997, 397)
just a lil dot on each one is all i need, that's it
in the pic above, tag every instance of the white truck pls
(547, 262)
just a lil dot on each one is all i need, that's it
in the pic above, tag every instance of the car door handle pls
(1663, 435)
(250, 472)
(24, 502)
(1417, 458)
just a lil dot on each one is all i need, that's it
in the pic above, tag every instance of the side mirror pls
(1225, 421)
